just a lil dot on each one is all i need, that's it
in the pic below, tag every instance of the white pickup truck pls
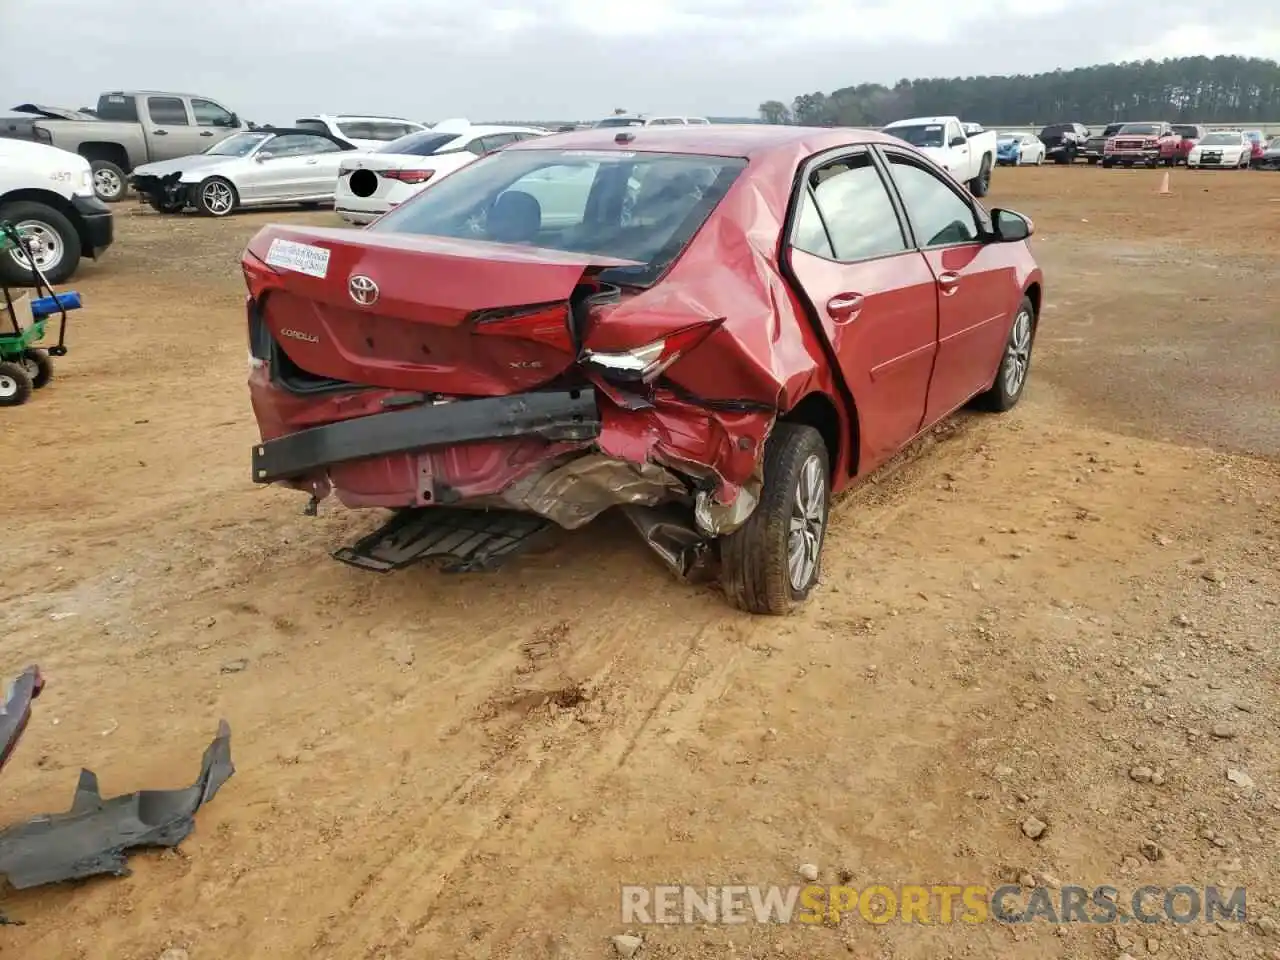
(964, 149)
(48, 194)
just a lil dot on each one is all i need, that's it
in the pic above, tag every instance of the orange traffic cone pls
(1164, 185)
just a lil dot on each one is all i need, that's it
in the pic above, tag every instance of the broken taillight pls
(546, 325)
(646, 363)
(408, 176)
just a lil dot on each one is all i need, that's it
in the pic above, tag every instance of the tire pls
(1092, 161)
(225, 192)
(15, 385)
(1108, 164)
(109, 181)
(755, 568)
(980, 184)
(38, 366)
(41, 220)
(1004, 393)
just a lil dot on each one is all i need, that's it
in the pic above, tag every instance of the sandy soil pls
(1013, 616)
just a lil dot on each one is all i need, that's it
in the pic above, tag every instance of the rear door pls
(874, 297)
(170, 132)
(976, 282)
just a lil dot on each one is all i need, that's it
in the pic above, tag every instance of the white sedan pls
(1016, 147)
(370, 184)
(1222, 148)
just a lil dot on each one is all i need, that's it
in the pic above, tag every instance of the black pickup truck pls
(1093, 147)
(1063, 142)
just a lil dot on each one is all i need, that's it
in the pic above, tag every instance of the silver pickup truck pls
(128, 129)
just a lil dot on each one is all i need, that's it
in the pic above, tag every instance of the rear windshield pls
(1056, 128)
(117, 107)
(1141, 129)
(1221, 140)
(923, 135)
(633, 206)
(422, 144)
(620, 122)
(317, 125)
(1185, 130)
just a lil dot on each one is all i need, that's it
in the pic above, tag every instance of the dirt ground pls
(1014, 616)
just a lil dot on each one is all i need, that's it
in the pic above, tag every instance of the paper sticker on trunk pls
(298, 257)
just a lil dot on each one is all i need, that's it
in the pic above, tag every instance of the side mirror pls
(1011, 227)
(264, 155)
(958, 141)
(234, 120)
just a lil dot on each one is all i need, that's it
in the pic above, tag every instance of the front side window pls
(299, 145)
(938, 215)
(209, 114)
(643, 207)
(859, 216)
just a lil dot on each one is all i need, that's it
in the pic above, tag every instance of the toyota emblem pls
(363, 290)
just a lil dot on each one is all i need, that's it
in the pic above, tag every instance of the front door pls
(874, 297)
(974, 282)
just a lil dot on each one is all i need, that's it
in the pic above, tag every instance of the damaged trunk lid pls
(428, 314)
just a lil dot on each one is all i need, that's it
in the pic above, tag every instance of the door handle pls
(207, 133)
(845, 307)
(312, 160)
(949, 282)
(160, 133)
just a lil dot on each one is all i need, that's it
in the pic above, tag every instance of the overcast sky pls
(575, 59)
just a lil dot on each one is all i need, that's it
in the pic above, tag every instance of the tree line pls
(1188, 89)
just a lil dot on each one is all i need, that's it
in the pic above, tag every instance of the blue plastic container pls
(47, 306)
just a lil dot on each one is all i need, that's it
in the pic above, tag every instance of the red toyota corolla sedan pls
(712, 328)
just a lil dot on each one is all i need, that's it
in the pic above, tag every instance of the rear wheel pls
(15, 385)
(1093, 161)
(980, 184)
(771, 563)
(38, 366)
(109, 181)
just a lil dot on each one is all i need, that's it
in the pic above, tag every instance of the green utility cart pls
(24, 367)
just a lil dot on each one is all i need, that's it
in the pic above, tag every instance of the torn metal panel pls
(15, 711)
(467, 540)
(574, 492)
(95, 835)
(672, 537)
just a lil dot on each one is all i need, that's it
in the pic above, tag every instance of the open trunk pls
(427, 314)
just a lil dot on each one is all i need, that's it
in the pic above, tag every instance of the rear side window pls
(167, 111)
(855, 207)
(642, 207)
(422, 144)
(318, 125)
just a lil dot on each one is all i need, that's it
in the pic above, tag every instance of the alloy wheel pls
(1018, 354)
(217, 198)
(808, 513)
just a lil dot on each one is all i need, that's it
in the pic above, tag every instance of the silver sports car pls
(250, 169)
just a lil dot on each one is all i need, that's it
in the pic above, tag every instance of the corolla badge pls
(299, 335)
(363, 290)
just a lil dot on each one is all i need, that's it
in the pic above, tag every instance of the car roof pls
(362, 117)
(725, 140)
(482, 129)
